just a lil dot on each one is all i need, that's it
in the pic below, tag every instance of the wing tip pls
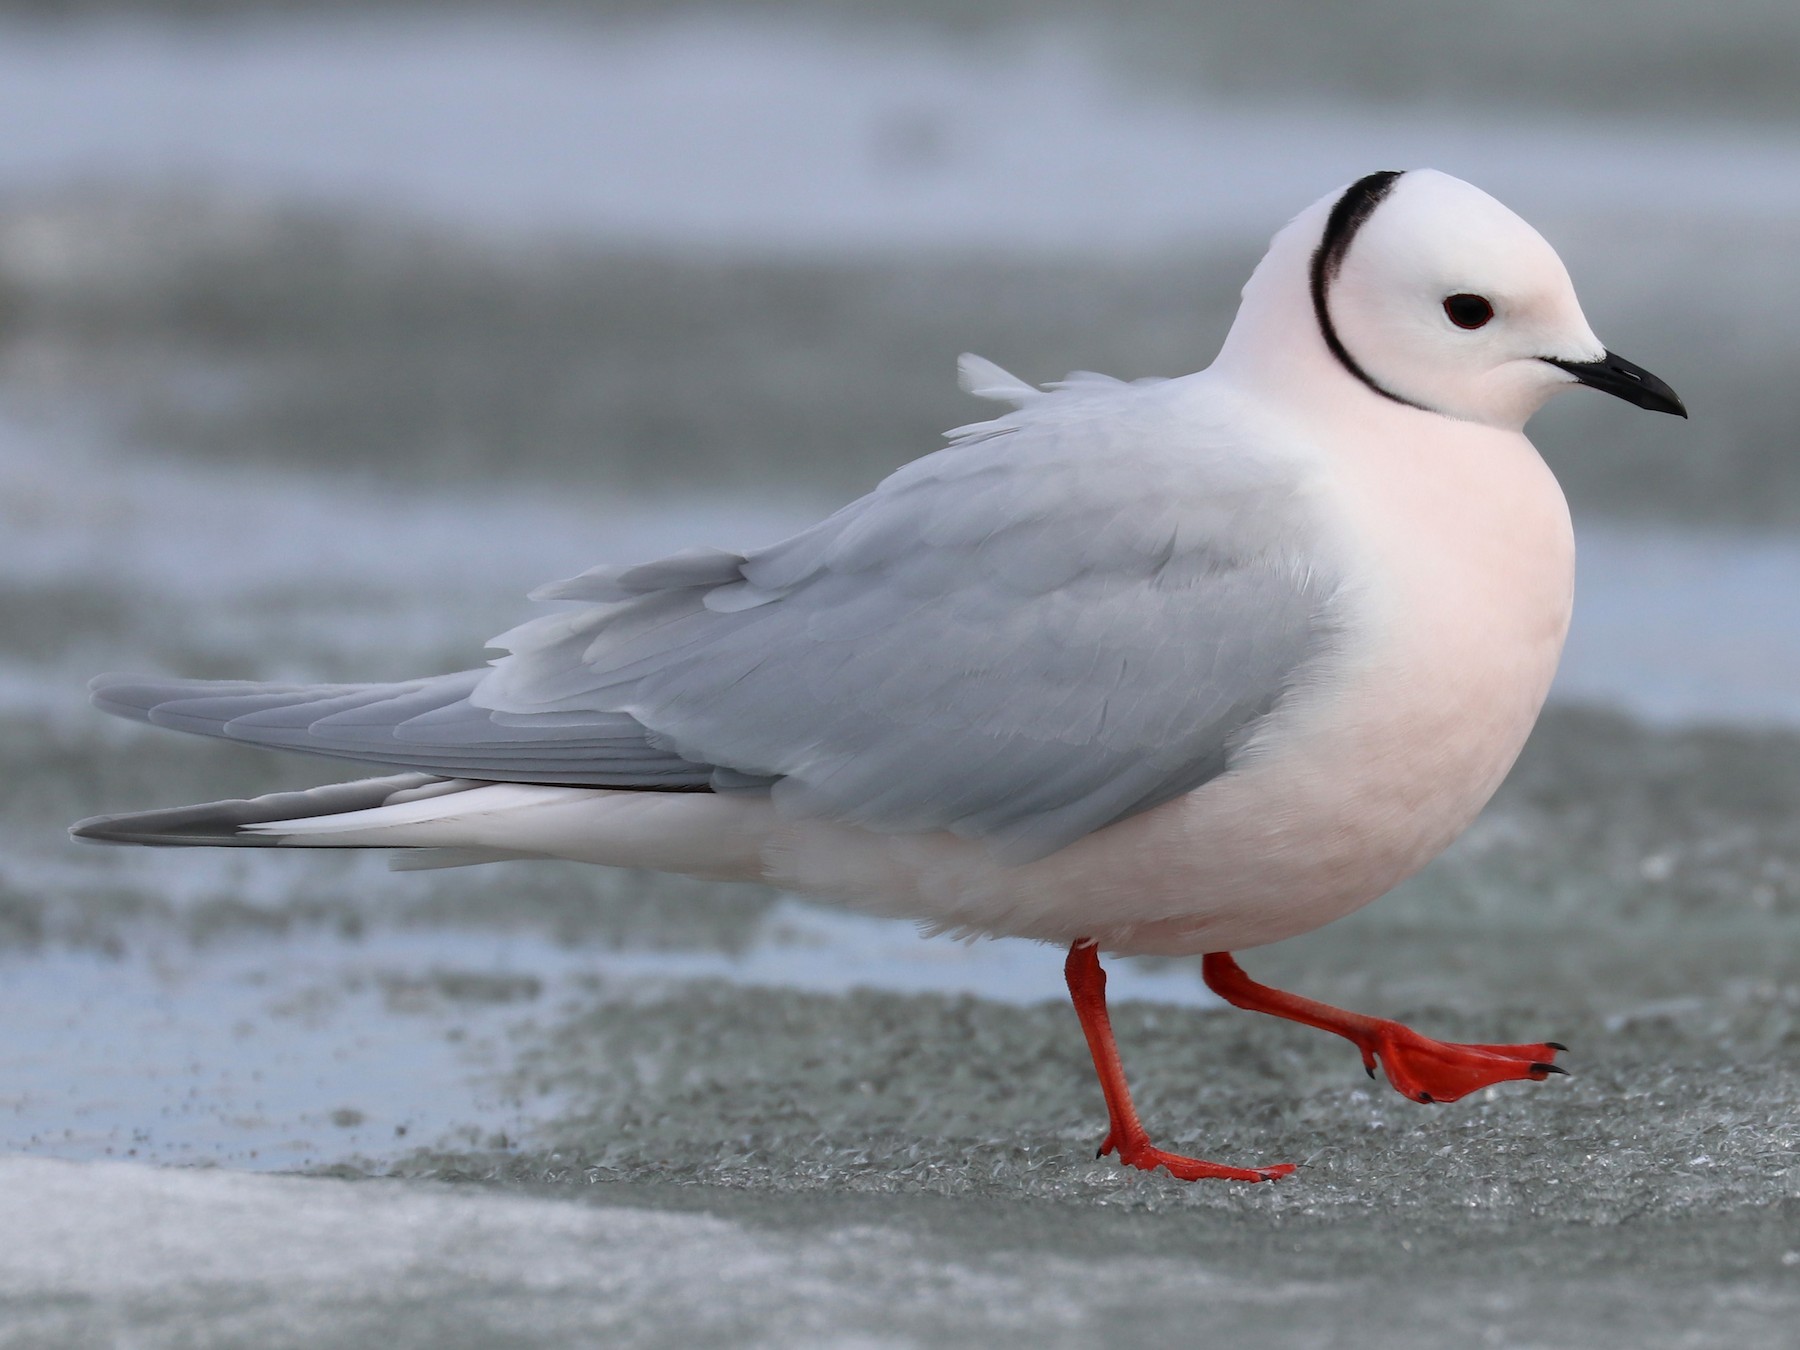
(139, 696)
(155, 830)
(232, 823)
(109, 693)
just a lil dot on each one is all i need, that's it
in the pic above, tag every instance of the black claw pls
(1549, 1068)
(1425, 1097)
(1557, 1045)
(1100, 1153)
(1371, 1069)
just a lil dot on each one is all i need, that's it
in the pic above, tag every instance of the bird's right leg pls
(1126, 1135)
(1419, 1067)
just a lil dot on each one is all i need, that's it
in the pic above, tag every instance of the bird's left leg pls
(1126, 1134)
(1418, 1067)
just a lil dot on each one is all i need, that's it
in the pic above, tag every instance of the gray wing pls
(1074, 613)
(1077, 612)
(427, 725)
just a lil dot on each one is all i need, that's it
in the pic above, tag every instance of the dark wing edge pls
(427, 725)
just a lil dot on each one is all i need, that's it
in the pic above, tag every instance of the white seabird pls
(1176, 666)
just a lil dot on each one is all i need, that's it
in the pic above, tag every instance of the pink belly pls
(1350, 791)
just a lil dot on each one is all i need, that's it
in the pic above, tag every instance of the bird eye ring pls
(1468, 311)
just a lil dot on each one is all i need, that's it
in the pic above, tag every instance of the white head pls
(1429, 293)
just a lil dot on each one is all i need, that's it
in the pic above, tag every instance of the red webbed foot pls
(1147, 1157)
(1140, 1153)
(1419, 1067)
(1442, 1071)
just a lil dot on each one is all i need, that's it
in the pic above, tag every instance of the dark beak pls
(1615, 375)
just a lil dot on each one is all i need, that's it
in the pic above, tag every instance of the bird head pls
(1431, 294)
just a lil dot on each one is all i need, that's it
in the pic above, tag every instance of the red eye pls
(1468, 311)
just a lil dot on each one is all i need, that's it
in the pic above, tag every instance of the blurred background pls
(329, 329)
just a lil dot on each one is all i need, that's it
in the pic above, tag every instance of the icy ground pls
(216, 1259)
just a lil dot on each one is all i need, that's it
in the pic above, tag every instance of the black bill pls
(1615, 375)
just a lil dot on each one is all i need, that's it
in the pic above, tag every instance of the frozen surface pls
(106, 1252)
(230, 330)
(375, 1045)
(1685, 625)
(746, 135)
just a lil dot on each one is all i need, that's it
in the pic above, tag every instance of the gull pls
(1168, 667)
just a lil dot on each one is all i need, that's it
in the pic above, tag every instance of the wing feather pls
(1074, 613)
(1075, 616)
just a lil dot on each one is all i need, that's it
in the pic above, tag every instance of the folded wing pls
(1074, 613)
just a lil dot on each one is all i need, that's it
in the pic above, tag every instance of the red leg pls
(1417, 1066)
(1087, 989)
